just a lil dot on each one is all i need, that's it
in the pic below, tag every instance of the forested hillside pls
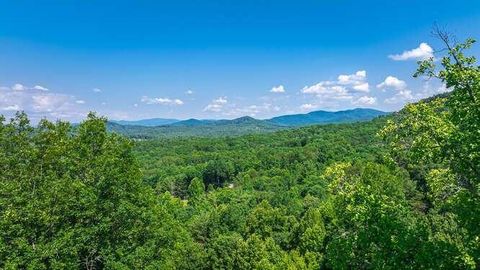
(398, 192)
(146, 129)
(196, 128)
(324, 117)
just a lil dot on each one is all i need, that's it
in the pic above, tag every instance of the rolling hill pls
(197, 128)
(144, 129)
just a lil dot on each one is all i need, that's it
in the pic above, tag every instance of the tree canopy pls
(398, 192)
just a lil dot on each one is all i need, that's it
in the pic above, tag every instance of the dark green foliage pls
(217, 172)
(76, 200)
(320, 197)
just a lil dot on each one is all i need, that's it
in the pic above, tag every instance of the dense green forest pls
(398, 192)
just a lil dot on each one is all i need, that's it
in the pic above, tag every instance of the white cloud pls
(359, 76)
(161, 101)
(392, 82)
(403, 95)
(364, 87)
(19, 87)
(424, 51)
(221, 100)
(307, 107)
(226, 108)
(318, 88)
(39, 87)
(189, 92)
(213, 108)
(327, 91)
(278, 89)
(443, 89)
(216, 105)
(344, 88)
(97, 90)
(334, 94)
(433, 88)
(251, 110)
(365, 101)
(50, 102)
(39, 102)
(357, 81)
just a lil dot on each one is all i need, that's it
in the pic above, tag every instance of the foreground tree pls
(73, 199)
(440, 139)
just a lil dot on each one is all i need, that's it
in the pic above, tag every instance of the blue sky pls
(218, 59)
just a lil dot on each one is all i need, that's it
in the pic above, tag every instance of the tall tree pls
(442, 136)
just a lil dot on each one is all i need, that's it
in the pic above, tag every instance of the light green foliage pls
(196, 189)
(419, 131)
(438, 141)
(371, 224)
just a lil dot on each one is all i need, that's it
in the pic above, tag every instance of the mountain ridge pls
(314, 117)
(149, 122)
(242, 125)
(328, 117)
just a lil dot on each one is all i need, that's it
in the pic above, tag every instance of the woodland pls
(401, 191)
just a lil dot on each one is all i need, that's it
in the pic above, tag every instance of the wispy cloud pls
(325, 90)
(39, 102)
(277, 89)
(251, 110)
(19, 87)
(365, 101)
(403, 93)
(161, 101)
(216, 105)
(307, 107)
(39, 87)
(401, 96)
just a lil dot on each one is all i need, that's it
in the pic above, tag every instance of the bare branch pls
(442, 34)
(448, 39)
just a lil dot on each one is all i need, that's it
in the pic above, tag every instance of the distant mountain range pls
(326, 117)
(160, 127)
(153, 122)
